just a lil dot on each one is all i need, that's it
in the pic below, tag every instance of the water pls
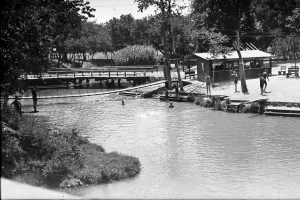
(186, 151)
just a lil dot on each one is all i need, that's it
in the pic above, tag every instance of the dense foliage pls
(30, 29)
(40, 155)
(136, 55)
(258, 21)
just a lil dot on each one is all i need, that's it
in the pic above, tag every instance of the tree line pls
(33, 31)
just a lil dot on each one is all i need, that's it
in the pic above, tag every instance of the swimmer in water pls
(171, 105)
(123, 103)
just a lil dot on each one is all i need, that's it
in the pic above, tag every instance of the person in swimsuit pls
(235, 81)
(208, 83)
(261, 83)
(265, 76)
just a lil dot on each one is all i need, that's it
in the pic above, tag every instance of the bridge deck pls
(84, 75)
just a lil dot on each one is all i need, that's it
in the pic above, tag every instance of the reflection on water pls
(186, 151)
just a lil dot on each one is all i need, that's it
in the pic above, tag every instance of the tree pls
(166, 9)
(217, 47)
(293, 21)
(224, 16)
(237, 46)
(30, 29)
(284, 46)
(273, 18)
(120, 31)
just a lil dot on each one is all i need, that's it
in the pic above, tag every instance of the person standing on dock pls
(34, 98)
(208, 83)
(235, 81)
(262, 82)
(265, 76)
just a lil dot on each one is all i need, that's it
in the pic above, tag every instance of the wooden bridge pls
(134, 74)
(103, 73)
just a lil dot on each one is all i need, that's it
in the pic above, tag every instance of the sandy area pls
(14, 190)
(280, 88)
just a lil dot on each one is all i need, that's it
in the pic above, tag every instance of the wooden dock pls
(236, 106)
(280, 111)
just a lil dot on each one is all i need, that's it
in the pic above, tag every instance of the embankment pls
(35, 153)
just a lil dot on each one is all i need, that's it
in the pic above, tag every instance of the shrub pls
(207, 102)
(251, 108)
(221, 105)
(198, 100)
(136, 55)
(38, 155)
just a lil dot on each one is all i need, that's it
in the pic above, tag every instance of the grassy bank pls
(35, 153)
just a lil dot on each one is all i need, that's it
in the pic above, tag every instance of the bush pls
(198, 100)
(251, 108)
(205, 102)
(39, 155)
(221, 105)
(136, 55)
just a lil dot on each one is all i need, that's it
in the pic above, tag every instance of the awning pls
(248, 54)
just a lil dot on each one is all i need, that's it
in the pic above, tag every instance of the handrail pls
(96, 71)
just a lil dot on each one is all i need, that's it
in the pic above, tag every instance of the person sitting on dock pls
(208, 83)
(171, 105)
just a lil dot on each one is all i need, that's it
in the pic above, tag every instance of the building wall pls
(224, 75)
(253, 73)
(203, 66)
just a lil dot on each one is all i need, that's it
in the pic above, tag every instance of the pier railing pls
(91, 73)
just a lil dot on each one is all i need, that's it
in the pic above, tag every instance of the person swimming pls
(123, 103)
(171, 105)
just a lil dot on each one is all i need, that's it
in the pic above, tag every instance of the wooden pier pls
(109, 76)
(281, 111)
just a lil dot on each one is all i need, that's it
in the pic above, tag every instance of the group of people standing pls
(262, 77)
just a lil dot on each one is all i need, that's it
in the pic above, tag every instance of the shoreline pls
(36, 153)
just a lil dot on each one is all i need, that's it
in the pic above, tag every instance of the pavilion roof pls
(247, 54)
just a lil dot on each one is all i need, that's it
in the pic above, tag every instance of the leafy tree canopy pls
(31, 28)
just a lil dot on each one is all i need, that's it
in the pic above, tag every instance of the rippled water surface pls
(186, 151)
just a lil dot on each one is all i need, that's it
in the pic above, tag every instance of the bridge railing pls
(92, 73)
